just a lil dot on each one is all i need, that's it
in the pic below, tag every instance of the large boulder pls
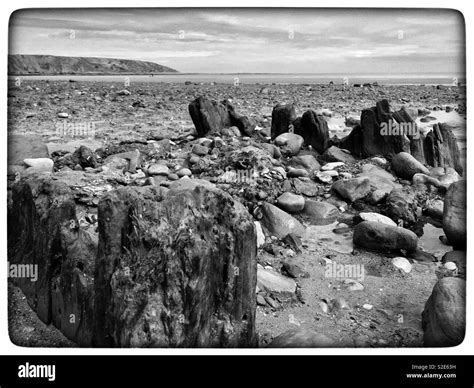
(441, 148)
(41, 209)
(280, 223)
(377, 139)
(209, 116)
(282, 117)
(44, 232)
(352, 189)
(314, 130)
(454, 215)
(290, 144)
(444, 316)
(405, 166)
(380, 237)
(175, 270)
(240, 121)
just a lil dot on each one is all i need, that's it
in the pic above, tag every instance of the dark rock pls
(405, 166)
(352, 189)
(280, 223)
(200, 150)
(242, 122)
(290, 144)
(444, 316)
(335, 154)
(441, 148)
(454, 215)
(41, 209)
(85, 157)
(305, 187)
(308, 162)
(381, 237)
(209, 116)
(293, 241)
(320, 213)
(176, 270)
(294, 270)
(314, 130)
(401, 205)
(282, 117)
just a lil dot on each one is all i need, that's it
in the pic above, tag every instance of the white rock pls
(450, 266)
(402, 263)
(332, 166)
(63, 115)
(376, 217)
(158, 169)
(260, 234)
(271, 281)
(367, 306)
(39, 164)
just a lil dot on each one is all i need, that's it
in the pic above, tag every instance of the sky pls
(251, 40)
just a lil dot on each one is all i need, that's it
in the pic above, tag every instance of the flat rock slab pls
(273, 282)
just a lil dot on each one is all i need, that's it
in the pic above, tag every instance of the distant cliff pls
(52, 65)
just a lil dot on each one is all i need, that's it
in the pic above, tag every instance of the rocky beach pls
(236, 215)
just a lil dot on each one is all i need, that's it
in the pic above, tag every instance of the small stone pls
(332, 166)
(353, 285)
(200, 150)
(367, 306)
(184, 172)
(173, 177)
(194, 159)
(261, 300)
(158, 169)
(402, 263)
(324, 177)
(63, 115)
(260, 235)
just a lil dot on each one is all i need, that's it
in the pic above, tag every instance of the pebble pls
(184, 172)
(158, 169)
(353, 285)
(402, 263)
(450, 266)
(173, 177)
(332, 166)
(63, 115)
(367, 306)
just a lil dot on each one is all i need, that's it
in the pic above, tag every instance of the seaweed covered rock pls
(444, 316)
(209, 116)
(175, 270)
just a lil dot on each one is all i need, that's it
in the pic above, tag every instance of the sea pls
(260, 78)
